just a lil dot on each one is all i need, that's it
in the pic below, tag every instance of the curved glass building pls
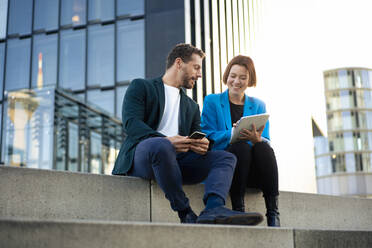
(344, 159)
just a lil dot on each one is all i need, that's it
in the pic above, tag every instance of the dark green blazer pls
(143, 108)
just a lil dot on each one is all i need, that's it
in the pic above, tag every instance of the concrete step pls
(17, 233)
(53, 195)
(46, 194)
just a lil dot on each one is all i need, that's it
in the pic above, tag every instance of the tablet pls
(247, 121)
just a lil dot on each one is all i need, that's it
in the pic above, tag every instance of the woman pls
(256, 163)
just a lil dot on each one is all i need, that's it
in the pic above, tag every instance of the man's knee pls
(158, 146)
(225, 157)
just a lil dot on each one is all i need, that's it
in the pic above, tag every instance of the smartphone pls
(197, 135)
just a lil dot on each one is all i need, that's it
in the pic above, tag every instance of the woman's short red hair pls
(245, 61)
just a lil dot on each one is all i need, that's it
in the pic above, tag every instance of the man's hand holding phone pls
(199, 144)
(180, 143)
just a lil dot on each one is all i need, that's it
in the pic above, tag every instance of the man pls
(158, 118)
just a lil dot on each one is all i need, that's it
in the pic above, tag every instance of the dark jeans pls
(156, 158)
(256, 167)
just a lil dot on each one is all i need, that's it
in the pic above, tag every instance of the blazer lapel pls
(182, 112)
(225, 105)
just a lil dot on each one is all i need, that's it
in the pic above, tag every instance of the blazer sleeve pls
(133, 113)
(209, 125)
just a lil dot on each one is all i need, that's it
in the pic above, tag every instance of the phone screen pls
(197, 135)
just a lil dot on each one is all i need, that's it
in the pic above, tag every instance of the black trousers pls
(255, 168)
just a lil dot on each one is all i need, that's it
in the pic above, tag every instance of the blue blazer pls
(216, 117)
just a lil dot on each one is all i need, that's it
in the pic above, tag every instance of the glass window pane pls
(20, 15)
(1, 126)
(95, 153)
(44, 61)
(109, 156)
(101, 55)
(18, 64)
(103, 99)
(347, 119)
(40, 137)
(130, 7)
(60, 129)
(80, 97)
(358, 78)
(3, 17)
(350, 162)
(72, 59)
(120, 93)
(102, 10)
(345, 79)
(73, 12)
(2, 57)
(46, 14)
(130, 50)
(28, 140)
(73, 146)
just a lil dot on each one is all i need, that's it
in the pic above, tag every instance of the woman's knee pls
(262, 147)
(240, 147)
(242, 151)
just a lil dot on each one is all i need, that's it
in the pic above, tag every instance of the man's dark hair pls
(183, 51)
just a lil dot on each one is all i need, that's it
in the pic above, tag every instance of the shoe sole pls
(246, 219)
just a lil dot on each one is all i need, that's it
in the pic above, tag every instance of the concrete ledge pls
(332, 239)
(137, 235)
(45, 194)
(140, 235)
(48, 195)
(299, 210)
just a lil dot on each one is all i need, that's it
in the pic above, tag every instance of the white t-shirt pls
(169, 122)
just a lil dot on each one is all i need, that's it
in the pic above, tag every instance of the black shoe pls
(222, 215)
(189, 218)
(273, 220)
(272, 214)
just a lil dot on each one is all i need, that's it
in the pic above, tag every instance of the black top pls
(236, 112)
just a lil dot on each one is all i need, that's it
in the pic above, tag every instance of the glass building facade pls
(64, 69)
(91, 50)
(344, 158)
(88, 47)
(49, 129)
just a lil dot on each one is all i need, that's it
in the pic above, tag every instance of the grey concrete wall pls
(44, 194)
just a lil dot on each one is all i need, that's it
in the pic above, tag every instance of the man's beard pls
(186, 81)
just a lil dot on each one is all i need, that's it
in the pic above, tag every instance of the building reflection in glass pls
(53, 130)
